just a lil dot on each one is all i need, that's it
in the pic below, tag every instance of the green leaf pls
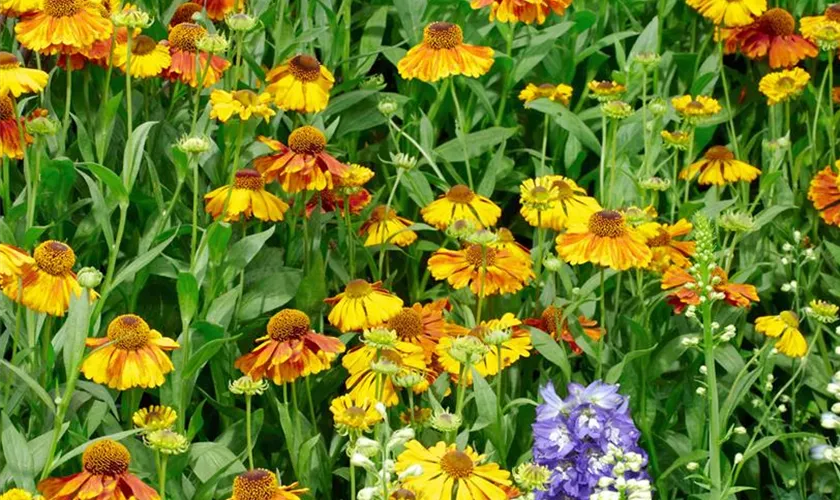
(207, 459)
(71, 337)
(614, 373)
(477, 143)
(200, 357)
(31, 383)
(140, 262)
(101, 211)
(371, 39)
(187, 287)
(17, 455)
(244, 250)
(272, 290)
(132, 158)
(111, 180)
(105, 125)
(568, 121)
(646, 43)
(551, 350)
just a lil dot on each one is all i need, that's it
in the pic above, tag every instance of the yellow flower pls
(63, 27)
(385, 226)
(15, 8)
(244, 103)
(719, 167)
(300, 84)
(446, 468)
(302, 165)
(378, 385)
(729, 13)
(154, 418)
(554, 201)
(362, 305)
(606, 90)
(785, 327)
(824, 30)
(357, 176)
(443, 53)
(677, 139)
(262, 484)
(246, 197)
(148, 58)
(461, 203)
(667, 250)
(130, 355)
(783, 85)
(16, 494)
(354, 415)
(17, 80)
(696, 108)
(487, 271)
(561, 93)
(527, 11)
(604, 240)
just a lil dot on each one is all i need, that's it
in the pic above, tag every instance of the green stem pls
(309, 400)
(602, 168)
(352, 482)
(351, 238)
(7, 191)
(112, 261)
(420, 148)
(462, 131)
(814, 155)
(65, 123)
(546, 123)
(645, 132)
(347, 17)
(731, 123)
(129, 114)
(714, 403)
(506, 77)
(194, 230)
(675, 188)
(249, 442)
(599, 366)
(831, 138)
(240, 39)
(613, 163)
(162, 476)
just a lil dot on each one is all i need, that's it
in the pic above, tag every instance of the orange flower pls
(304, 164)
(527, 11)
(9, 132)
(218, 9)
(553, 317)
(421, 325)
(774, 33)
(63, 27)
(487, 271)
(289, 350)
(443, 53)
(605, 240)
(184, 14)
(330, 200)
(104, 476)
(183, 40)
(666, 249)
(735, 294)
(825, 194)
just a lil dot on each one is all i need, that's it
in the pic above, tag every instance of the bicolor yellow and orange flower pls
(188, 63)
(262, 483)
(385, 227)
(729, 13)
(302, 165)
(362, 305)
(461, 203)
(246, 197)
(442, 54)
(300, 84)
(553, 319)
(719, 167)
(421, 325)
(676, 278)
(554, 202)
(218, 9)
(606, 240)
(486, 270)
(784, 327)
(526, 11)
(16, 8)
(824, 193)
(18, 80)
(10, 130)
(773, 35)
(63, 27)
(667, 249)
(184, 13)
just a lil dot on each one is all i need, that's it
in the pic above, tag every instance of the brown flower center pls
(695, 105)
(460, 194)
(564, 190)
(129, 332)
(408, 324)
(457, 464)
(307, 140)
(777, 22)
(403, 494)
(288, 324)
(7, 108)
(63, 8)
(355, 413)
(606, 86)
(790, 319)
(442, 35)
(305, 68)
(550, 318)
(474, 257)
(357, 289)
(721, 153)
(8, 61)
(786, 83)
(662, 239)
(142, 45)
(106, 458)
(185, 36)
(832, 12)
(54, 257)
(246, 97)
(257, 484)
(184, 13)
(248, 178)
(607, 224)
(380, 214)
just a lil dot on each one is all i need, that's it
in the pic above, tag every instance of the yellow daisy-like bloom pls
(446, 468)
(818, 28)
(14, 8)
(154, 418)
(561, 93)
(246, 197)
(130, 355)
(605, 240)
(356, 176)
(677, 139)
(667, 250)
(148, 57)
(527, 11)
(783, 85)
(516, 347)
(354, 416)
(487, 271)
(785, 327)
(729, 13)
(63, 27)
(302, 165)
(421, 325)
(17, 80)
(606, 90)
(261, 484)
(443, 53)
(48, 283)
(365, 383)
(696, 108)
(13, 261)
(461, 203)
(16, 494)
(719, 167)
(385, 226)
(362, 305)
(554, 201)
(243, 103)
(300, 84)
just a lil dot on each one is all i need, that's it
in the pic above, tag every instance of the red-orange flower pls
(421, 325)
(183, 40)
(552, 318)
(825, 194)
(10, 146)
(302, 165)
(218, 9)
(773, 34)
(667, 250)
(735, 294)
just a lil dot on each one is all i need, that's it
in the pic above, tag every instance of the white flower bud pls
(739, 457)
(740, 430)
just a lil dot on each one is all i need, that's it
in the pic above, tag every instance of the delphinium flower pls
(605, 239)
(667, 249)
(461, 203)
(302, 165)
(263, 484)
(587, 436)
(784, 327)
(527, 11)
(685, 287)
(246, 197)
(782, 86)
(773, 35)
(385, 227)
(554, 201)
(362, 305)
(443, 53)
(552, 321)
(729, 12)
(824, 192)
(561, 93)
(104, 469)
(290, 349)
(486, 270)
(188, 62)
(719, 167)
(300, 84)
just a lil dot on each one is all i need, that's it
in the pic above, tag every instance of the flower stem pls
(462, 131)
(831, 138)
(714, 403)
(248, 432)
(309, 400)
(65, 123)
(387, 210)
(732, 135)
(194, 230)
(162, 476)
(602, 167)
(546, 124)
(351, 237)
(32, 198)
